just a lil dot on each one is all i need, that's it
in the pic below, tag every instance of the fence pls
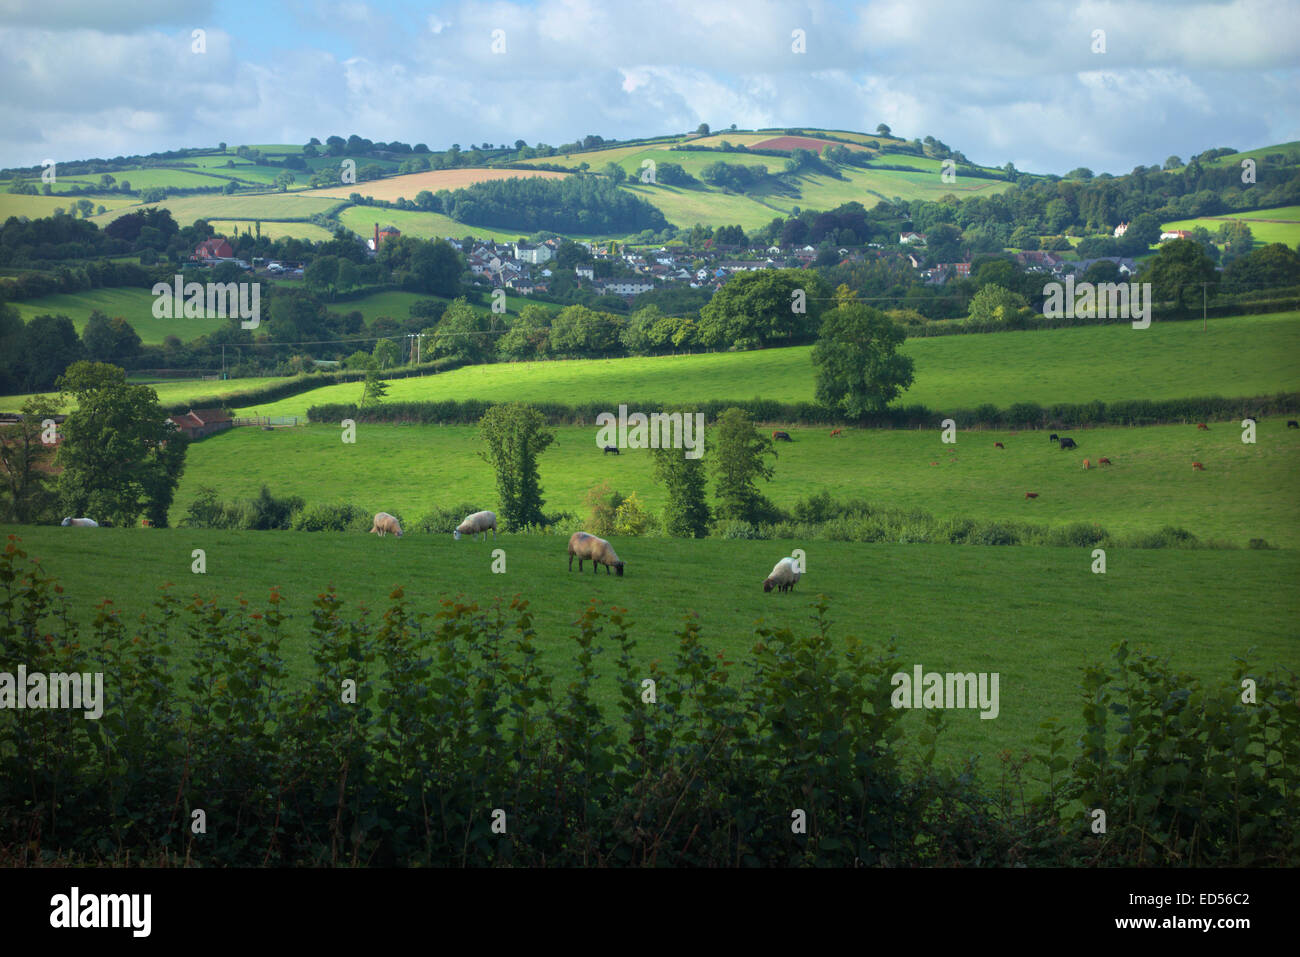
(270, 421)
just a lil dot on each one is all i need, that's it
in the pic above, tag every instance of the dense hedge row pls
(304, 383)
(444, 740)
(1022, 415)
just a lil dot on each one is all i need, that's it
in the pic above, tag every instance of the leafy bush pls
(731, 528)
(1189, 775)
(443, 521)
(340, 517)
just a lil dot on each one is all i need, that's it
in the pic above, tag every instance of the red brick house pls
(388, 232)
(200, 422)
(214, 248)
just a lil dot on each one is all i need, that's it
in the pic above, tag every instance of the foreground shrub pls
(453, 715)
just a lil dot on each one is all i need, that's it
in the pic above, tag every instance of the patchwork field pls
(273, 230)
(34, 207)
(284, 207)
(1242, 494)
(947, 608)
(433, 180)
(1237, 356)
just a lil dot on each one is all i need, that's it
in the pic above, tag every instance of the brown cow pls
(836, 432)
(998, 445)
(1198, 467)
(1031, 495)
(1086, 465)
(1103, 461)
(1202, 425)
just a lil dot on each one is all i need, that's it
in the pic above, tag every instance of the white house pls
(533, 254)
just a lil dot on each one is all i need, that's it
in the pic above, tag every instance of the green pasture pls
(1235, 356)
(1035, 616)
(1246, 491)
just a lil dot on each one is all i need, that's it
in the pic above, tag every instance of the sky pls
(1048, 85)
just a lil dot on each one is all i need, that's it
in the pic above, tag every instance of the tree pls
(738, 463)
(464, 333)
(1179, 272)
(120, 454)
(702, 129)
(50, 345)
(374, 390)
(360, 360)
(1237, 239)
(615, 172)
(515, 435)
(1173, 162)
(883, 130)
(687, 513)
(994, 303)
(23, 454)
(1271, 265)
(322, 274)
(108, 339)
(528, 336)
(756, 309)
(858, 367)
(386, 353)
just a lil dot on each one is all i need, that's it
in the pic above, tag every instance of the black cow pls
(612, 448)
(1068, 443)
(782, 437)
(1292, 424)
(1053, 437)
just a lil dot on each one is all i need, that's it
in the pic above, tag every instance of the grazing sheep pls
(784, 575)
(80, 522)
(386, 524)
(612, 448)
(998, 445)
(584, 546)
(1086, 465)
(1202, 426)
(1053, 437)
(1198, 467)
(1103, 461)
(1068, 443)
(1031, 495)
(475, 523)
(782, 437)
(1292, 424)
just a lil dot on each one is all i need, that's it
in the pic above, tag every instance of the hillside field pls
(1281, 225)
(409, 185)
(1035, 616)
(411, 469)
(1236, 356)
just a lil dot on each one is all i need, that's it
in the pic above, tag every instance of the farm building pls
(388, 232)
(214, 248)
(200, 422)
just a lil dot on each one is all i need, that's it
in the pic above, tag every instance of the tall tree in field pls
(739, 460)
(687, 513)
(858, 366)
(763, 308)
(23, 456)
(120, 455)
(1181, 272)
(516, 435)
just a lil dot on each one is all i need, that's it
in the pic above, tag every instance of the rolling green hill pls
(1237, 356)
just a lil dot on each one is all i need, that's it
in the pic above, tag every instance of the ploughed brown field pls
(433, 180)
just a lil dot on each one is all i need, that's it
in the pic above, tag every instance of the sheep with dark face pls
(583, 546)
(784, 575)
(478, 522)
(80, 522)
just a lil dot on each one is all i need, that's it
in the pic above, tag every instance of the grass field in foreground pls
(1237, 356)
(1035, 616)
(1246, 491)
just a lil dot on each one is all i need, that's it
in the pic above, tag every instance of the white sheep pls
(385, 523)
(81, 522)
(784, 574)
(478, 522)
(600, 552)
